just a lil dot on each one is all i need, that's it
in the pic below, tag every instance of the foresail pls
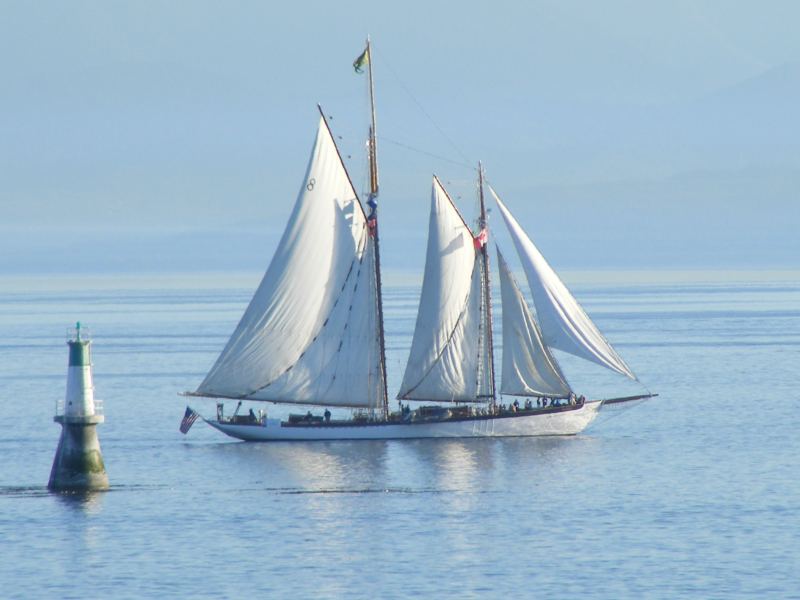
(444, 358)
(529, 369)
(310, 333)
(564, 323)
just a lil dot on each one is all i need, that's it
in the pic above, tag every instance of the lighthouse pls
(78, 464)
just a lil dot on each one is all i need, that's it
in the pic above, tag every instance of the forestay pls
(310, 334)
(444, 358)
(565, 325)
(529, 369)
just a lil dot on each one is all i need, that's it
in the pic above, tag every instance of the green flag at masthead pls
(361, 61)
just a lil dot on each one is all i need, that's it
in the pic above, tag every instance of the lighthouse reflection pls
(87, 502)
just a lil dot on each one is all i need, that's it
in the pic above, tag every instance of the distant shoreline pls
(248, 280)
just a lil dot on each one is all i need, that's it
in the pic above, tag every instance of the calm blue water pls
(694, 494)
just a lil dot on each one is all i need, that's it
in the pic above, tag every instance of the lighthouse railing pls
(98, 407)
(73, 333)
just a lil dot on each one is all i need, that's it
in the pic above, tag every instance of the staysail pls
(564, 323)
(529, 369)
(445, 352)
(311, 332)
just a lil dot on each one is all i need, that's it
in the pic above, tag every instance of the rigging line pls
(422, 109)
(356, 260)
(337, 355)
(426, 153)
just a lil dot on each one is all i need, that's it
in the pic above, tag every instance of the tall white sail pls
(310, 334)
(565, 325)
(529, 369)
(443, 364)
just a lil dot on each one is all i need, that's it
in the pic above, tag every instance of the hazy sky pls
(149, 136)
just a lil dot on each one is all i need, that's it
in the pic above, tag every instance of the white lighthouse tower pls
(78, 464)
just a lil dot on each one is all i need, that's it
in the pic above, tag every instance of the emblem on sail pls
(311, 334)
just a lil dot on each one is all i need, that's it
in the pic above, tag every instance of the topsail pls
(565, 325)
(311, 334)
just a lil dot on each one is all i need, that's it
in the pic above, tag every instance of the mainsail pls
(445, 353)
(564, 323)
(529, 369)
(311, 334)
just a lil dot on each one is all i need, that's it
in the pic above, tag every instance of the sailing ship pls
(313, 332)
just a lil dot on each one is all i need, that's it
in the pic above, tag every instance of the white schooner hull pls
(568, 421)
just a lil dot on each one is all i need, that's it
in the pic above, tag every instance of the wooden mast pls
(487, 286)
(373, 223)
(373, 146)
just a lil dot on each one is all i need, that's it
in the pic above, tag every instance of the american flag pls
(189, 417)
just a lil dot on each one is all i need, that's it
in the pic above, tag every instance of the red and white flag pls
(481, 239)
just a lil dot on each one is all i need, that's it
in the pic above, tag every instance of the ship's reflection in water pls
(355, 499)
(460, 467)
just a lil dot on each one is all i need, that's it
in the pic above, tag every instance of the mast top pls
(79, 334)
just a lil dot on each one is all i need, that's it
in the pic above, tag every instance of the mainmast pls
(487, 286)
(372, 221)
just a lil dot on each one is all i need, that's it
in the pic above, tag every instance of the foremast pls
(482, 239)
(372, 222)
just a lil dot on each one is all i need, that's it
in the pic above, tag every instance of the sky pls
(144, 137)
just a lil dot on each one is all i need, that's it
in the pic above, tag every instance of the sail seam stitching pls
(324, 324)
